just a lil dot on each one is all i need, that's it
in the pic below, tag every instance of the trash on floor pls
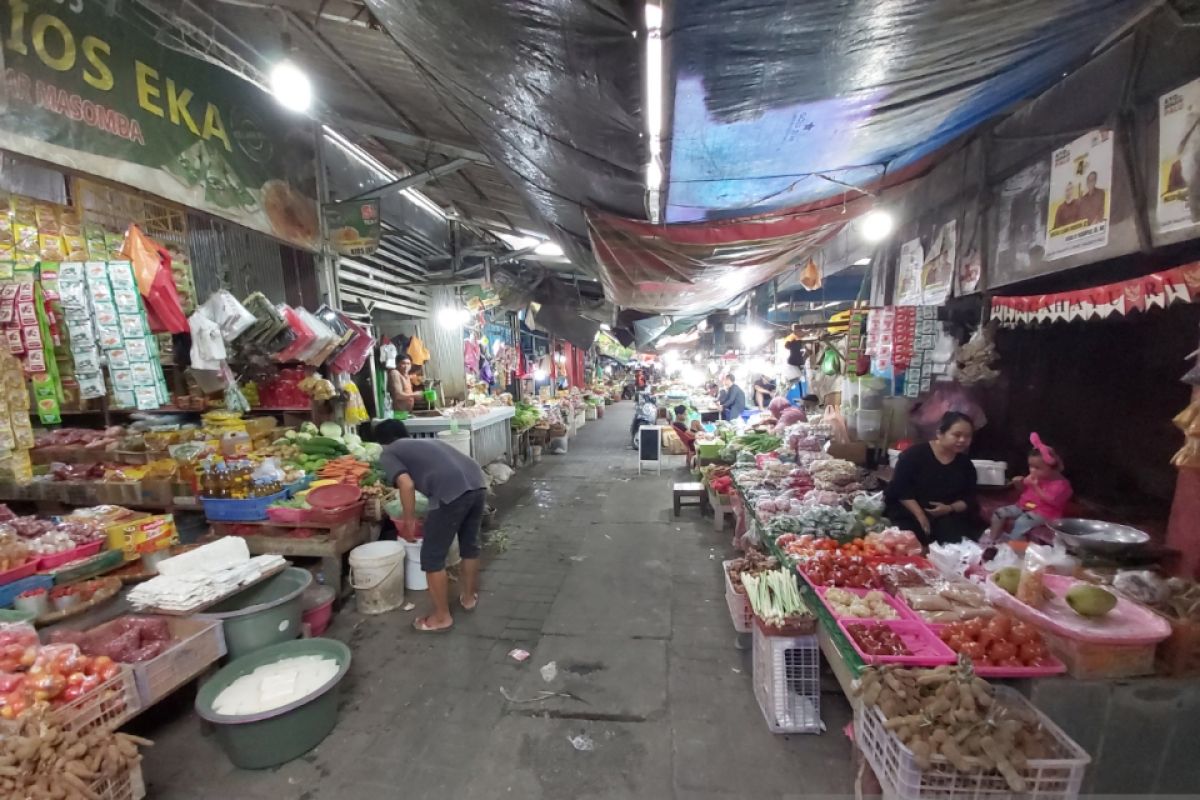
(549, 671)
(517, 654)
(408, 606)
(582, 742)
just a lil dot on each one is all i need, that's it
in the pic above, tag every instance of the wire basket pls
(787, 681)
(740, 611)
(127, 785)
(107, 706)
(894, 765)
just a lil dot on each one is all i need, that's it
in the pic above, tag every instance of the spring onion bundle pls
(774, 597)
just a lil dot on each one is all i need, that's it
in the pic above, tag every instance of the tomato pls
(974, 627)
(1000, 626)
(1002, 650)
(1031, 651)
(973, 651)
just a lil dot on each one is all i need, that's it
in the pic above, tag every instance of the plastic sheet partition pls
(770, 95)
(693, 269)
(549, 88)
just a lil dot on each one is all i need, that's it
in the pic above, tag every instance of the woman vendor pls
(932, 492)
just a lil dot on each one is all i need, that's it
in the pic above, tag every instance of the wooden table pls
(330, 543)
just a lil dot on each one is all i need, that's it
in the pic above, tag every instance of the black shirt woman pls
(764, 390)
(932, 492)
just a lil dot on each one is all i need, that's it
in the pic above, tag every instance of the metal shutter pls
(389, 278)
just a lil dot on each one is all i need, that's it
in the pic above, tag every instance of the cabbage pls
(352, 439)
(331, 430)
(309, 428)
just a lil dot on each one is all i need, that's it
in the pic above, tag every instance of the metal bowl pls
(1097, 536)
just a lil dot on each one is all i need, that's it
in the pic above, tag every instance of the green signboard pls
(353, 226)
(91, 89)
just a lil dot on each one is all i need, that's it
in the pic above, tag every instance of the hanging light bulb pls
(291, 86)
(877, 225)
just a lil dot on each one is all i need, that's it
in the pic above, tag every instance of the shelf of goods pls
(490, 432)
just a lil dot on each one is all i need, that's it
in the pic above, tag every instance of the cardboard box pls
(854, 452)
(126, 536)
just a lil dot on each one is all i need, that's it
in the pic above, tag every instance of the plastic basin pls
(258, 741)
(264, 614)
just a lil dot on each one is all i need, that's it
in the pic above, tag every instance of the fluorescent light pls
(653, 104)
(862, 262)
(604, 326)
(548, 248)
(424, 202)
(540, 374)
(654, 175)
(877, 225)
(450, 317)
(291, 86)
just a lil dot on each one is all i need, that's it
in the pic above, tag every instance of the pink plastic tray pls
(1055, 667)
(16, 573)
(1127, 624)
(67, 556)
(926, 648)
(903, 611)
(286, 515)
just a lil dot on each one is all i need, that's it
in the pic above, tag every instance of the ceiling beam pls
(414, 180)
(389, 134)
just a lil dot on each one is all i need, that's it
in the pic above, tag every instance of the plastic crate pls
(787, 681)
(251, 509)
(107, 706)
(740, 611)
(66, 557)
(199, 644)
(127, 785)
(1057, 778)
(926, 649)
(9, 591)
(334, 516)
(1088, 661)
(18, 573)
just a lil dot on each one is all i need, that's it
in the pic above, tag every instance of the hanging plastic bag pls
(839, 434)
(832, 362)
(231, 316)
(152, 270)
(810, 276)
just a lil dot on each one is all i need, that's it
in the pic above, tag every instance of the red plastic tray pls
(66, 557)
(16, 573)
(903, 612)
(1055, 667)
(334, 496)
(287, 516)
(926, 648)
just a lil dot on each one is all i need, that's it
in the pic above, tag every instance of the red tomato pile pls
(998, 642)
(835, 569)
(876, 639)
(52, 675)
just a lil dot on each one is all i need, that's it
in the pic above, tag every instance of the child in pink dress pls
(1044, 496)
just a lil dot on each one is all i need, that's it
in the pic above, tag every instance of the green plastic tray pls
(258, 741)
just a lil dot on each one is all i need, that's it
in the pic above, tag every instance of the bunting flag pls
(1156, 290)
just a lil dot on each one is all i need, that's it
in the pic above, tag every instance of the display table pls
(329, 543)
(490, 432)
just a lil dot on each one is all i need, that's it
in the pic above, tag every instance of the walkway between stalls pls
(626, 601)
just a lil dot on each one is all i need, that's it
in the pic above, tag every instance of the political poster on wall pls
(908, 273)
(937, 274)
(1179, 158)
(1080, 195)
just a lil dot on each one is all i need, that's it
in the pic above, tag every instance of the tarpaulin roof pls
(770, 95)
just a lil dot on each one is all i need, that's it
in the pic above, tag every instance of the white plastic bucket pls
(580, 419)
(459, 440)
(589, 413)
(414, 576)
(536, 453)
(377, 575)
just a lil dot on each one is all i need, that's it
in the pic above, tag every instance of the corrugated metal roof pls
(478, 193)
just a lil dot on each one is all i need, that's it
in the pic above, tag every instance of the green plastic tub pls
(264, 614)
(258, 741)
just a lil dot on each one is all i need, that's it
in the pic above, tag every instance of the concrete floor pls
(628, 603)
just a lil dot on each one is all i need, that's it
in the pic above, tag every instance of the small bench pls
(679, 491)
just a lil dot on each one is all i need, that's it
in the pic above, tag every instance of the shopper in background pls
(732, 399)
(686, 432)
(932, 492)
(457, 491)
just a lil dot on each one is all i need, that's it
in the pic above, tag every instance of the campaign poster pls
(908, 273)
(1178, 203)
(1080, 195)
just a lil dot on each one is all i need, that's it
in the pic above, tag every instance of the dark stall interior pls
(1103, 392)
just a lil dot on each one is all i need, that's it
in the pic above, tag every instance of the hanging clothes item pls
(485, 372)
(471, 355)
(417, 351)
(387, 355)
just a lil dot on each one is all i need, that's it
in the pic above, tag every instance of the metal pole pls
(327, 269)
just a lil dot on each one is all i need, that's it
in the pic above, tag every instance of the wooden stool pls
(682, 490)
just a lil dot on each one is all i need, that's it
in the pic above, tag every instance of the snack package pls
(1031, 590)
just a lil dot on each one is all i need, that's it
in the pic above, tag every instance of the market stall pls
(486, 433)
(890, 615)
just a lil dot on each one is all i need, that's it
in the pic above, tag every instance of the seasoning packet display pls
(145, 397)
(123, 398)
(91, 384)
(45, 398)
(143, 373)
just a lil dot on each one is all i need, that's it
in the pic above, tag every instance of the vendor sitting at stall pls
(687, 433)
(764, 390)
(456, 489)
(932, 492)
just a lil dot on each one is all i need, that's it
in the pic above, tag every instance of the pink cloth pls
(1051, 502)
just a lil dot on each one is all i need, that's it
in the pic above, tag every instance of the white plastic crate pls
(127, 785)
(108, 706)
(787, 681)
(740, 611)
(1056, 778)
